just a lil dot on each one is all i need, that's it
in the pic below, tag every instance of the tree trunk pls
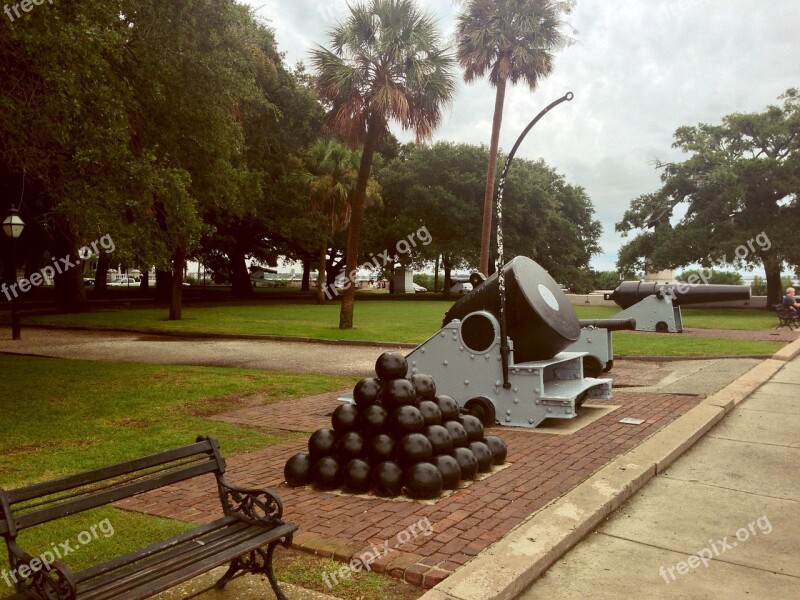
(101, 274)
(772, 272)
(176, 298)
(69, 289)
(447, 282)
(145, 283)
(305, 284)
(436, 275)
(356, 220)
(488, 198)
(323, 257)
(163, 285)
(241, 284)
(332, 268)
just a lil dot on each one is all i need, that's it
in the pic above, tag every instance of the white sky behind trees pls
(639, 70)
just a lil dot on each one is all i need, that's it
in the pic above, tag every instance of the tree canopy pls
(733, 201)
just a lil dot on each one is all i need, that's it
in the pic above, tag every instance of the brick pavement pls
(543, 467)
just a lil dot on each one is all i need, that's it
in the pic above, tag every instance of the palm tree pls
(386, 62)
(513, 40)
(330, 176)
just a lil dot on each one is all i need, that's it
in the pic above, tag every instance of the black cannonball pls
(327, 473)
(423, 481)
(413, 448)
(298, 470)
(483, 455)
(357, 476)
(366, 391)
(345, 418)
(406, 419)
(391, 365)
(381, 447)
(430, 412)
(321, 443)
(424, 386)
(351, 445)
(498, 448)
(467, 461)
(440, 439)
(373, 419)
(457, 433)
(450, 470)
(397, 393)
(473, 426)
(387, 479)
(449, 408)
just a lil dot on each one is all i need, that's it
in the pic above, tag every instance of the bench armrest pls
(54, 581)
(254, 506)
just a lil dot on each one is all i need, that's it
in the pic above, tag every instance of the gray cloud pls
(640, 69)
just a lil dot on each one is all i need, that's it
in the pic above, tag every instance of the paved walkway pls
(297, 357)
(722, 522)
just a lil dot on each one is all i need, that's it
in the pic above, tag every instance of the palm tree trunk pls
(488, 197)
(323, 258)
(356, 219)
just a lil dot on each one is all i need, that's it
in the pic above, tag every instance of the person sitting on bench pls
(789, 300)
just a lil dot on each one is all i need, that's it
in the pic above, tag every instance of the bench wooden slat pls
(165, 580)
(109, 496)
(177, 557)
(152, 549)
(55, 486)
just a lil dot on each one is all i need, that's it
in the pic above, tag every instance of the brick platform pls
(543, 467)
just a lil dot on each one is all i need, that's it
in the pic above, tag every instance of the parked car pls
(125, 281)
(461, 287)
(418, 289)
(88, 281)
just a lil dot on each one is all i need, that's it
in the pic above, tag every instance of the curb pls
(509, 566)
(226, 336)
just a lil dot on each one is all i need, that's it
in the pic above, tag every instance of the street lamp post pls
(13, 227)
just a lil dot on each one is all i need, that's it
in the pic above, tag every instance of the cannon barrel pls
(610, 324)
(540, 320)
(630, 292)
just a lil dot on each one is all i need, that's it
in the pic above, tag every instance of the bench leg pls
(258, 562)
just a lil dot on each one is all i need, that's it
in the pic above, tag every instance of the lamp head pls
(13, 225)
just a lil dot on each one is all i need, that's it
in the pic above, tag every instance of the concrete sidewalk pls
(732, 501)
(721, 520)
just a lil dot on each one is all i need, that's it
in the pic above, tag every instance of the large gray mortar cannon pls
(543, 381)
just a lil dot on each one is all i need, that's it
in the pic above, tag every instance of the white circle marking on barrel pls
(548, 297)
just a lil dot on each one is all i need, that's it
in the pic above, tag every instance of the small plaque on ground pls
(631, 421)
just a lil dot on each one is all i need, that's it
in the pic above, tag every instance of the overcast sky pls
(640, 69)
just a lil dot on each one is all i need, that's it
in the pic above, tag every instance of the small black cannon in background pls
(545, 377)
(657, 306)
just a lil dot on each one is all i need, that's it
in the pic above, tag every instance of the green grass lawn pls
(406, 321)
(66, 416)
(62, 416)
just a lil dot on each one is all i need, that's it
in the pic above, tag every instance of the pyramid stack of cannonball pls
(398, 437)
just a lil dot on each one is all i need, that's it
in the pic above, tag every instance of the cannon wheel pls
(662, 327)
(592, 367)
(609, 366)
(483, 408)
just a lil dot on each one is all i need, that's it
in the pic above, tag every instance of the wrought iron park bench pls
(786, 317)
(244, 538)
